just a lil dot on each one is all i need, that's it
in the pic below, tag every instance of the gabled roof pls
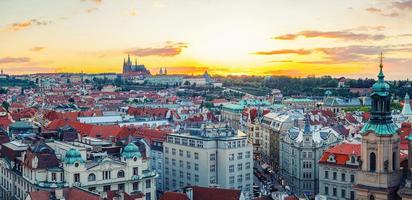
(341, 153)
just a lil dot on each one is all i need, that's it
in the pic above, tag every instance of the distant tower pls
(165, 71)
(129, 62)
(379, 175)
(1, 71)
(124, 66)
(161, 71)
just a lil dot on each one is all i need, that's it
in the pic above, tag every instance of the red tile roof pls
(5, 122)
(342, 153)
(39, 195)
(76, 193)
(148, 112)
(203, 193)
(405, 130)
(350, 118)
(174, 196)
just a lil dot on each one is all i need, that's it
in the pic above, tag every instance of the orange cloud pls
(26, 24)
(94, 1)
(7, 60)
(37, 49)
(133, 13)
(344, 35)
(90, 10)
(403, 5)
(171, 49)
(373, 10)
(284, 51)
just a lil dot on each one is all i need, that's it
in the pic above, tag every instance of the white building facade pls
(300, 150)
(215, 157)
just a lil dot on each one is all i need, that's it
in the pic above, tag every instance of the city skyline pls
(222, 37)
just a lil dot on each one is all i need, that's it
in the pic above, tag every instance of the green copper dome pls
(131, 150)
(381, 88)
(380, 123)
(72, 156)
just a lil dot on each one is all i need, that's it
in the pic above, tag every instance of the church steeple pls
(406, 110)
(381, 112)
(380, 75)
(129, 62)
(379, 163)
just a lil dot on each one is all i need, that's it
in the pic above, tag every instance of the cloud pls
(403, 5)
(93, 1)
(368, 28)
(345, 54)
(281, 61)
(37, 49)
(133, 13)
(373, 10)
(7, 60)
(169, 50)
(26, 24)
(344, 35)
(90, 10)
(284, 51)
(284, 72)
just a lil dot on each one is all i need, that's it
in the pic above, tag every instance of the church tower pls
(379, 175)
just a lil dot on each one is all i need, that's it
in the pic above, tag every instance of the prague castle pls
(129, 68)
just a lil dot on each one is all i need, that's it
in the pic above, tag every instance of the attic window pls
(352, 159)
(331, 158)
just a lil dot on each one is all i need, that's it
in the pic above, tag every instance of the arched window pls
(372, 162)
(120, 174)
(394, 160)
(91, 177)
(371, 197)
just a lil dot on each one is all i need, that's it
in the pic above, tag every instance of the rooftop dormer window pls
(331, 158)
(352, 159)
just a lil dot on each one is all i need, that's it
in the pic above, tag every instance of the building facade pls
(215, 156)
(272, 127)
(300, 151)
(41, 169)
(337, 171)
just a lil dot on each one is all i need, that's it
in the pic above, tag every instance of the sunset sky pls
(261, 37)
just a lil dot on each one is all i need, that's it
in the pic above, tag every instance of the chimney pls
(59, 194)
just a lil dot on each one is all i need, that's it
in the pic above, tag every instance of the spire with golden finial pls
(380, 75)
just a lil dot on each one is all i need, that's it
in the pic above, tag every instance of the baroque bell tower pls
(379, 175)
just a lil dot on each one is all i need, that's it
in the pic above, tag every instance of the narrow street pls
(265, 181)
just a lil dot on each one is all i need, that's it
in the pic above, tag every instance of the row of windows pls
(106, 175)
(181, 164)
(239, 167)
(239, 156)
(185, 141)
(342, 193)
(239, 178)
(342, 176)
(188, 153)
